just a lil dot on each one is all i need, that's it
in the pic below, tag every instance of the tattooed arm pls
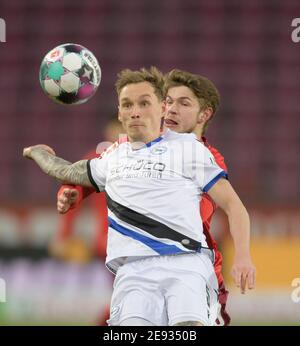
(58, 168)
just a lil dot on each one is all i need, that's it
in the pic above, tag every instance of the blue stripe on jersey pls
(159, 247)
(158, 139)
(223, 174)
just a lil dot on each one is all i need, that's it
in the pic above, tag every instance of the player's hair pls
(152, 76)
(205, 91)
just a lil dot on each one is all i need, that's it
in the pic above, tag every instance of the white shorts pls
(166, 290)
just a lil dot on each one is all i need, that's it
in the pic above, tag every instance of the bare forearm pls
(243, 270)
(239, 225)
(48, 163)
(61, 169)
(225, 197)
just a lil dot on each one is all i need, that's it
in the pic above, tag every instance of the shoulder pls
(186, 144)
(113, 148)
(216, 154)
(176, 137)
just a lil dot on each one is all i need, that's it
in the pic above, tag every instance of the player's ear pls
(205, 115)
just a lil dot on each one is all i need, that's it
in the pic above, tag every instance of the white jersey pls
(153, 196)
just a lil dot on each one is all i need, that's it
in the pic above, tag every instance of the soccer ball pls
(70, 74)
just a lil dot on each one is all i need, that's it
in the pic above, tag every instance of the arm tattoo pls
(61, 169)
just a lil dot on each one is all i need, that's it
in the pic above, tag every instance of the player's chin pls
(173, 127)
(137, 132)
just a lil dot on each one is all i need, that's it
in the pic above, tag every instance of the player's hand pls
(66, 200)
(243, 273)
(28, 151)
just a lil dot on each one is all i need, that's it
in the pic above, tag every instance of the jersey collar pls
(147, 145)
(158, 139)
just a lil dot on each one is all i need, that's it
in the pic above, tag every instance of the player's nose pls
(135, 113)
(172, 109)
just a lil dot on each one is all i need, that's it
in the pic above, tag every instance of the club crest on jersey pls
(158, 150)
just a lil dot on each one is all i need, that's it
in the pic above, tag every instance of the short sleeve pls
(203, 168)
(97, 172)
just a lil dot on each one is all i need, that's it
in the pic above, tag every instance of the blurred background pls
(245, 48)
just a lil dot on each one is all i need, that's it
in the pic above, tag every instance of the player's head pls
(191, 101)
(140, 95)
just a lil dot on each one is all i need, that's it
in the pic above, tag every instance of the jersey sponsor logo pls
(138, 169)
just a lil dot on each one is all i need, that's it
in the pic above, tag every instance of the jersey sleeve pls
(97, 172)
(203, 168)
(97, 167)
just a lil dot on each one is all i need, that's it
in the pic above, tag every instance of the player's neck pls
(198, 131)
(144, 139)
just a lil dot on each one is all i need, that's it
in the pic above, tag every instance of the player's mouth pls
(136, 125)
(170, 122)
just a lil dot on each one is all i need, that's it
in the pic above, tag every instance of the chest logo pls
(158, 150)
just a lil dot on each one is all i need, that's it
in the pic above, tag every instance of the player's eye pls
(145, 103)
(126, 105)
(169, 101)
